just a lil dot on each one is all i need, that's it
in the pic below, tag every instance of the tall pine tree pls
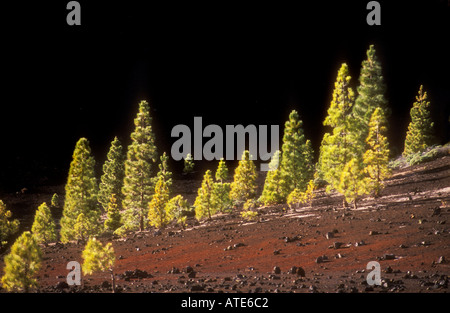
(111, 181)
(370, 96)
(296, 167)
(81, 192)
(221, 190)
(138, 185)
(203, 202)
(113, 217)
(244, 185)
(273, 192)
(158, 216)
(420, 130)
(43, 227)
(376, 158)
(337, 147)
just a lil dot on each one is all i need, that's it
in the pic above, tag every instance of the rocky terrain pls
(319, 248)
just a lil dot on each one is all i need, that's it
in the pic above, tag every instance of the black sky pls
(226, 62)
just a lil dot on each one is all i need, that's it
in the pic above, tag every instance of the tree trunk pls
(344, 203)
(355, 206)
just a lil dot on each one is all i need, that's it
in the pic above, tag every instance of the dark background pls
(227, 62)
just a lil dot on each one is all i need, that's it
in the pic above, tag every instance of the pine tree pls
(81, 192)
(337, 147)
(244, 185)
(157, 215)
(8, 227)
(273, 191)
(22, 264)
(99, 258)
(222, 171)
(221, 191)
(376, 158)
(297, 157)
(43, 227)
(352, 183)
(188, 164)
(203, 201)
(420, 130)
(177, 207)
(370, 96)
(113, 217)
(111, 181)
(305, 197)
(82, 228)
(138, 185)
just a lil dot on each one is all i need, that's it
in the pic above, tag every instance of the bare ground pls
(406, 230)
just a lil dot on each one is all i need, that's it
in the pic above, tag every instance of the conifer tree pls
(111, 181)
(352, 183)
(22, 264)
(81, 192)
(222, 171)
(43, 227)
(297, 157)
(157, 214)
(176, 207)
(273, 191)
(99, 258)
(203, 201)
(8, 227)
(244, 185)
(420, 130)
(188, 164)
(370, 96)
(138, 185)
(376, 158)
(82, 228)
(113, 217)
(221, 191)
(337, 147)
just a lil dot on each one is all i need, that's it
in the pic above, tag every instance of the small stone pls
(191, 274)
(329, 235)
(62, 285)
(276, 270)
(337, 245)
(301, 272)
(441, 260)
(276, 252)
(389, 256)
(373, 233)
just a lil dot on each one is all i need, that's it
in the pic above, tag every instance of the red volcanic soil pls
(406, 230)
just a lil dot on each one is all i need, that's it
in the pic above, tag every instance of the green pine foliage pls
(370, 96)
(376, 158)
(297, 197)
(55, 201)
(222, 171)
(244, 185)
(352, 183)
(203, 202)
(188, 164)
(82, 228)
(43, 227)
(420, 130)
(98, 258)
(178, 207)
(221, 190)
(113, 216)
(111, 181)
(296, 166)
(22, 264)
(8, 227)
(157, 215)
(81, 193)
(138, 185)
(337, 147)
(273, 191)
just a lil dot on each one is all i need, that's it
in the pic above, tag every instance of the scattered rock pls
(321, 259)
(436, 211)
(360, 243)
(195, 288)
(329, 235)
(389, 256)
(373, 233)
(301, 272)
(174, 270)
(337, 245)
(441, 260)
(136, 274)
(189, 269)
(276, 252)
(62, 285)
(237, 245)
(192, 274)
(276, 270)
